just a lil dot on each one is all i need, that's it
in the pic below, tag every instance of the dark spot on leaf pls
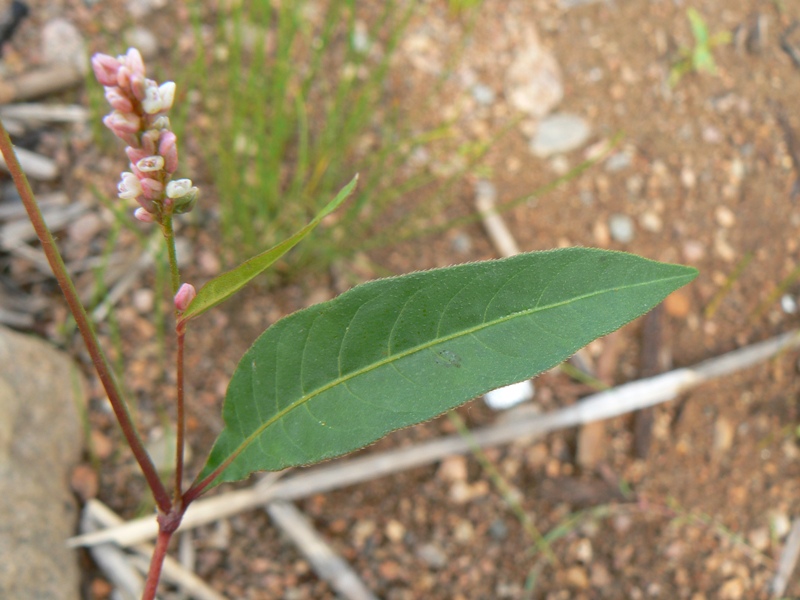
(446, 358)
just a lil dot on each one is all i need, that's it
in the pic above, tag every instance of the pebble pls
(780, 524)
(533, 80)
(723, 435)
(601, 235)
(395, 530)
(583, 551)
(600, 577)
(677, 304)
(84, 229)
(483, 94)
(618, 162)
(453, 468)
(788, 304)
(725, 217)
(461, 243)
(143, 300)
(650, 221)
(621, 228)
(432, 555)
(498, 530)
(693, 251)
(62, 43)
(576, 577)
(733, 589)
(143, 39)
(688, 178)
(759, 538)
(559, 133)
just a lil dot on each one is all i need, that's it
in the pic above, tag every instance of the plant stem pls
(99, 360)
(156, 563)
(169, 237)
(181, 418)
(180, 425)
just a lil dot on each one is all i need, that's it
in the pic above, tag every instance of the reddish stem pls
(84, 326)
(181, 424)
(156, 563)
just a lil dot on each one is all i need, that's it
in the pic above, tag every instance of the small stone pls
(576, 577)
(432, 555)
(453, 468)
(723, 249)
(62, 43)
(618, 162)
(733, 589)
(583, 551)
(362, 530)
(688, 178)
(143, 39)
(84, 229)
(559, 133)
(759, 538)
(498, 530)
(693, 251)
(395, 530)
(464, 531)
(389, 570)
(483, 94)
(143, 300)
(650, 221)
(621, 228)
(711, 135)
(723, 435)
(533, 80)
(788, 304)
(461, 243)
(725, 217)
(600, 577)
(677, 305)
(634, 184)
(84, 482)
(780, 524)
(602, 237)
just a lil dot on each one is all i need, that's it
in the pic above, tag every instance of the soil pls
(704, 170)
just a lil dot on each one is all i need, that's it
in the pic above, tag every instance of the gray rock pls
(62, 43)
(533, 80)
(621, 228)
(559, 133)
(40, 440)
(483, 94)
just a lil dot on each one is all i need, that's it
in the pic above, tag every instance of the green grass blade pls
(394, 352)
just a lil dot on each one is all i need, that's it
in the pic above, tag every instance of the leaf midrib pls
(395, 357)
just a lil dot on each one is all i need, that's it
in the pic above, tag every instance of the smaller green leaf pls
(698, 25)
(224, 286)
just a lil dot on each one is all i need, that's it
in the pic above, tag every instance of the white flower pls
(150, 163)
(179, 188)
(158, 98)
(129, 187)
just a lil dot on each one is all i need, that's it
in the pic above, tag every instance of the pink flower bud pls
(146, 204)
(143, 215)
(118, 100)
(139, 86)
(186, 293)
(124, 77)
(169, 150)
(135, 154)
(150, 164)
(121, 123)
(151, 188)
(150, 141)
(105, 69)
(133, 60)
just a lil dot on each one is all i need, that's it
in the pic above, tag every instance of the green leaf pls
(394, 352)
(224, 286)
(698, 25)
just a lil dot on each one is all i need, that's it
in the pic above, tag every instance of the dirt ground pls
(705, 173)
